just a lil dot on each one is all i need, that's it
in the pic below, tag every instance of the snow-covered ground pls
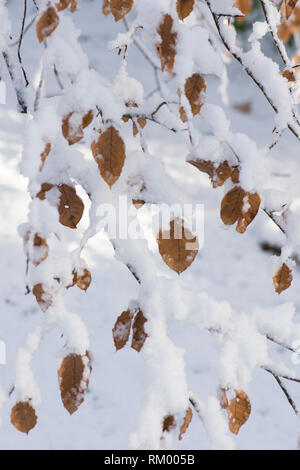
(229, 267)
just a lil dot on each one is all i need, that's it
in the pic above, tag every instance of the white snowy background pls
(230, 267)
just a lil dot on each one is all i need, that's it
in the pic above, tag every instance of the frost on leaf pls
(64, 4)
(121, 330)
(283, 278)
(139, 335)
(43, 298)
(41, 250)
(70, 206)
(73, 125)
(184, 8)
(178, 246)
(241, 207)
(47, 23)
(195, 91)
(245, 7)
(109, 153)
(166, 48)
(45, 154)
(187, 420)
(119, 8)
(73, 375)
(218, 175)
(23, 416)
(238, 411)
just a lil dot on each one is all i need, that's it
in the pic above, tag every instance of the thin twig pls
(286, 393)
(20, 43)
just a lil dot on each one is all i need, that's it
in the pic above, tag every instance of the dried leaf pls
(47, 23)
(239, 206)
(195, 91)
(73, 125)
(289, 75)
(121, 329)
(186, 422)
(41, 250)
(169, 423)
(43, 298)
(119, 8)
(142, 122)
(184, 8)
(70, 206)
(73, 375)
(45, 187)
(23, 416)
(283, 278)
(139, 335)
(109, 153)
(178, 246)
(284, 31)
(251, 204)
(223, 398)
(244, 108)
(106, 7)
(166, 48)
(45, 154)
(245, 7)
(238, 411)
(84, 281)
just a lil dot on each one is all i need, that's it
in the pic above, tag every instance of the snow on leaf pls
(119, 8)
(238, 411)
(73, 375)
(41, 250)
(106, 7)
(70, 206)
(184, 8)
(23, 416)
(43, 298)
(178, 247)
(245, 7)
(73, 125)
(64, 4)
(139, 335)
(239, 206)
(109, 153)
(195, 91)
(121, 329)
(166, 48)
(283, 278)
(47, 23)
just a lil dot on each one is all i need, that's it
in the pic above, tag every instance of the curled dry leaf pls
(73, 125)
(70, 206)
(41, 250)
(73, 375)
(187, 420)
(169, 423)
(45, 154)
(238, 411)
(195, 91)
(119, 8)
(121, 329)
(23, 416)
(178, 246)
(184, 8)
(239, 206)
(109, 153)
(166, 48)
(47, 23)
(245, 7)
(139, 335)
(283, 278)
(218, 175)
(43, 298)
(64, 4)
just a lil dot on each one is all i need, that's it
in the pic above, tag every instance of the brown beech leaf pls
(139, 335)
(238, 411)
(288, 7)
(23, 416)
(284, 31)
(169, 423)
(239, 206)
(245, 7)
(47, 23)
(251, 204)
(121, 329)
(45, 154)
(283, 278)
(106, 7)
(73, 376)
(184, 8)
(178, 246)
(84, 281)
(41, 249)
(186, 422)
(64, 4)
(45, 187)
(195, 91)
(223, 398)
(119, 8)
(109, 153)
(166, 48)
(289, 75)
(73, 125)
(70, 206)
(43, 298)
(218, 175)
